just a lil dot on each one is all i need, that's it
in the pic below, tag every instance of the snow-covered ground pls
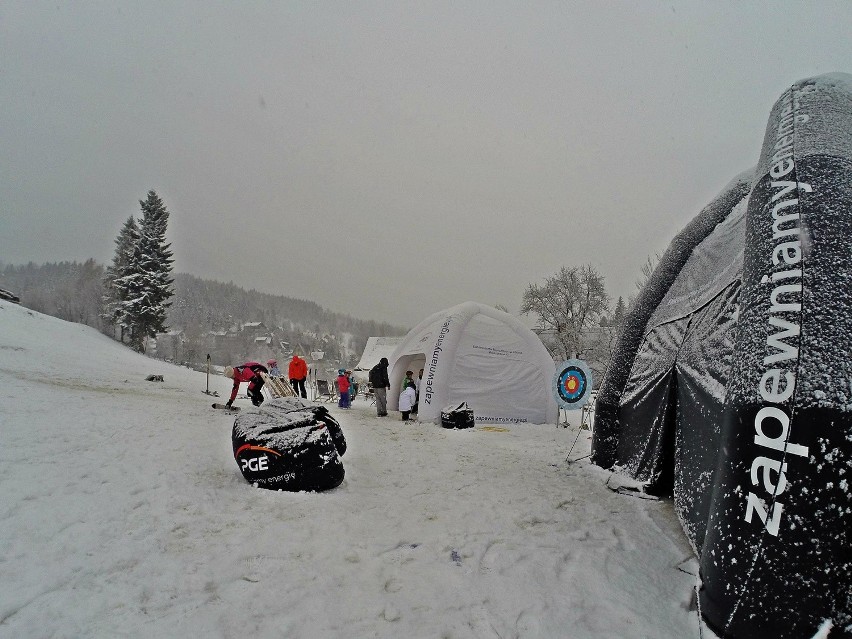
(123, 514)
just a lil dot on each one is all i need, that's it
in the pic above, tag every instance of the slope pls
(124, 515)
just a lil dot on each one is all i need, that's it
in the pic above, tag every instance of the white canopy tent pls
(476, 354)
(375, 349)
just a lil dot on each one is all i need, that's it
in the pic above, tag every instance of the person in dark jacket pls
(248, 372)
(381, 384)
(353, 386)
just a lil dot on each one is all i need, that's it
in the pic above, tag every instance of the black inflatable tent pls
(731, 383)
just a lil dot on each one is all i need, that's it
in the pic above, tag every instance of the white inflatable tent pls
(476, 354)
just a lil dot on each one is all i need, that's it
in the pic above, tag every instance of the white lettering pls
(790, 252)
(768, 465)
(782, 168)
(778, 307)
(780, 442)
(775, 341)
(777, 385)
(777, 232)
(255, 464)
(786, 187)
(756, 505)
(774, 393)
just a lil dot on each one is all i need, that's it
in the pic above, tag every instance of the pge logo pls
(254, 464)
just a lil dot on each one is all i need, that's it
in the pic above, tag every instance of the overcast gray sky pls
(390, 159)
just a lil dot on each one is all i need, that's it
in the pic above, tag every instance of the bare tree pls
(568, 308)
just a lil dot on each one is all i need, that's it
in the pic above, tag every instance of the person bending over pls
(248, 372)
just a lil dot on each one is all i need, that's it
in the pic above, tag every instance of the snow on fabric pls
(320, 412)
(476, 354)
(777, 548)
(732, 388)
(124, 514)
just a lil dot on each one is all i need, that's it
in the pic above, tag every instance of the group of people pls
(409, 395)
(347, 388)
(347, 385)
(250, 373)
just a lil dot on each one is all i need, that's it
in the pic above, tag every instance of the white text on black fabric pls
(776, 386)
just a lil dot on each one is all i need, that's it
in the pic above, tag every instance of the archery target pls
(572, 384)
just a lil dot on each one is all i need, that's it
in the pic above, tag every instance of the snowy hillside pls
(123, 514)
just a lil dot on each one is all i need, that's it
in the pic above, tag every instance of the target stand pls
(572, 387)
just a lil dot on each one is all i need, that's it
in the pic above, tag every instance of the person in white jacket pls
(407, 399)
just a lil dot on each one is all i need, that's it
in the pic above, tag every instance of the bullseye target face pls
(572, 384)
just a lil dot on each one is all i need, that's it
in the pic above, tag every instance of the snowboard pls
(233, 409)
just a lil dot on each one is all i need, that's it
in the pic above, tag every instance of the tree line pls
(74, 291)
(138, 297)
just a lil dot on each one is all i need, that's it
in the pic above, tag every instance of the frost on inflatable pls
(731, 384)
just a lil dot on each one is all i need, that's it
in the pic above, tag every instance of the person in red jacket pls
(343, 388)
(248, 372)
(298, 373)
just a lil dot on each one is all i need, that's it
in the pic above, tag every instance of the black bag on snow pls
(460, 416)
(282, 448)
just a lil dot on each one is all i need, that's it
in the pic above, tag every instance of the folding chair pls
(325, 392)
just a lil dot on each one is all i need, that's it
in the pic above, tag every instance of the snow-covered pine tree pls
(149, 284)
(619, 313)
(115, 293)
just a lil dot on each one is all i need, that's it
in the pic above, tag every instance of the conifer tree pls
(148, 287)
(115, 293)
(619, 313)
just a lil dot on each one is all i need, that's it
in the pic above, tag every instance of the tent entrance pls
(414, 362)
